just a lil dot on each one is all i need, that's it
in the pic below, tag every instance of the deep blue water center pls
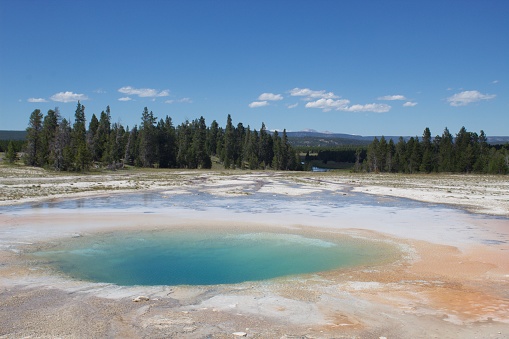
(204, 257)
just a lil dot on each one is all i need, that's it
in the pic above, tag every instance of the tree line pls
(467, 152)
(52, 142)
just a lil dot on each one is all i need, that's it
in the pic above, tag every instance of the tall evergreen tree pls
(63, 155)
(481, 163)
(185, 157)
(400, 158)
(131, 149)
(82, 155)
(10, 156)
(48, 135)
(266, 147)
(229, 144)
(167, 143)
(212, 138)
(427, 152)
(91, 137)
(446, 154)
(389, 157)
(286, 151)
(277, 151)
(34, 139)
(202, 158)
(147, 138)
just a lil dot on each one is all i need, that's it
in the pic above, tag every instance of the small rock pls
(240, 334)
(141, 298)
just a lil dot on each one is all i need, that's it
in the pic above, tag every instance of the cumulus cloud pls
(392, 97)
(309, 94)
(328, 104)
(144, 92)
(270, 97)
(343, 105)
(125, 99)
(68, 97)
(293, 105)
(467, 97)
(256, 104)
(37, 100)
(409, 104)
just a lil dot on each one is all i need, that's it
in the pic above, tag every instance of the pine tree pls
(286, 152)
(48, 135)
(147, 138)
(82, 155)
(63, 155)
(277, 151)
(202, 159)
(185, 157)
(481, 164)
(34, 139)
(389, 157)
(10, 156)
(427, 152)
(400, 158)
(167, 143)
(382, 154)
(266, 148)
(212, 138)
(372, 156)
(131, 148)
(93, 126)
(229, 144)
(445, 157)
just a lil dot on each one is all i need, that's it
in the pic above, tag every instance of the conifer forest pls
(53, 142)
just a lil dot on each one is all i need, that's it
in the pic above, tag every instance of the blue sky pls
(359, 67)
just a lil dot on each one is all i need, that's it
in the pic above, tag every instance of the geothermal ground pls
(450, 278)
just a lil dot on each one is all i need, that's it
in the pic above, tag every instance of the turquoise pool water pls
(204, 257)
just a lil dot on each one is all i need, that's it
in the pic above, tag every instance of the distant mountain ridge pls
(314, 138)
(307, 137)
(12, 135)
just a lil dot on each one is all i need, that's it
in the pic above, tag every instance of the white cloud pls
(144, 92)
(311, 94)
(125, 99)
(468, 97)
(270, 97)
(37, 100)
(327, 101)
(293, 105)
(256, 104)
(328, 104)
(377, 108)
(68, 97)
(392, 97)
(343, 105)
(495, 82)
(409, 104)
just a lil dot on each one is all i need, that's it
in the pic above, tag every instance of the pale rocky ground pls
(438, 288)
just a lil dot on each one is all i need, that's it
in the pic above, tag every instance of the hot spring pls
(204, 257)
